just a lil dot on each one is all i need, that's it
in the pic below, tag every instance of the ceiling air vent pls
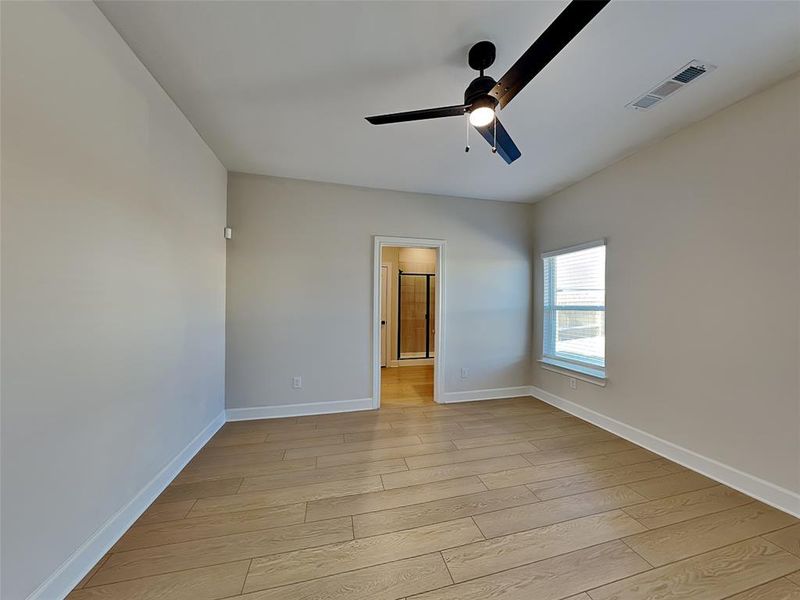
(680, 79)
(690, 73)
(646, 101)
(666, 88)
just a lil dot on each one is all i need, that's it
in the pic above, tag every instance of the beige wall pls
(113, 286)
(417, 260)
(293, 310)
(703, 285)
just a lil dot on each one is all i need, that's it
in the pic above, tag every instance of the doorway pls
(408, 313)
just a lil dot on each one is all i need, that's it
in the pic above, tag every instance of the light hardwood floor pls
(407, 386)
(507, 499)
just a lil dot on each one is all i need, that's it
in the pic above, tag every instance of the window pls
(575, 309)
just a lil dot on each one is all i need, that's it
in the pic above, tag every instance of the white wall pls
(703, 285)
(300, 288)
(113, 285)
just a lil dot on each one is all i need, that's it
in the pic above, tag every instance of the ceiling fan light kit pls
(481, 115)
(484, 96)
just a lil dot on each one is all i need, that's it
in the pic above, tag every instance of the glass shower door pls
(416, 323)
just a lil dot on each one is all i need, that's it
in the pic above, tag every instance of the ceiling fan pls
(484, 96)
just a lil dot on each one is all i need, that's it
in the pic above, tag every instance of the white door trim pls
(438, 369)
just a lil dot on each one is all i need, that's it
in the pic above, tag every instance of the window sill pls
(587, 374)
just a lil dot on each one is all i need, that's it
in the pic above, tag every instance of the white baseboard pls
(411, 362)
(298, 410)
(72, 570)
(490, 394)
(769, 493)
(414, 362)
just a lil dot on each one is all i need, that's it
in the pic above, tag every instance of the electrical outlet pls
(464, 372)
(297, 383)
(573, 383)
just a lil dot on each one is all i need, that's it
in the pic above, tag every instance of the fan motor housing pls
(479, 88)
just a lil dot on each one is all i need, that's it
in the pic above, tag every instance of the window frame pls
(589, 370)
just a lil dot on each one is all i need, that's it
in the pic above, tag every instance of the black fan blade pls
(560, 32)
(504, 144)
(419, 115)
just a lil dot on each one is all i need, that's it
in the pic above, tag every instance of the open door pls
(384, 311)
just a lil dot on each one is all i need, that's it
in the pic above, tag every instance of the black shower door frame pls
(427, 312)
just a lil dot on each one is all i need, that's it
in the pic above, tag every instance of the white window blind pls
(575, 308)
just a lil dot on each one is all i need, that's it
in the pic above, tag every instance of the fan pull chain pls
(466, 148)
(494, 136)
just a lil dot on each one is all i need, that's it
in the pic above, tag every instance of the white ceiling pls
(282, 88)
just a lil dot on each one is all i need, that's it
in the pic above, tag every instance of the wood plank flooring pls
(498, 500)
(407, 386)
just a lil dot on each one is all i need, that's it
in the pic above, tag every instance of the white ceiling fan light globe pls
(481, 116)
